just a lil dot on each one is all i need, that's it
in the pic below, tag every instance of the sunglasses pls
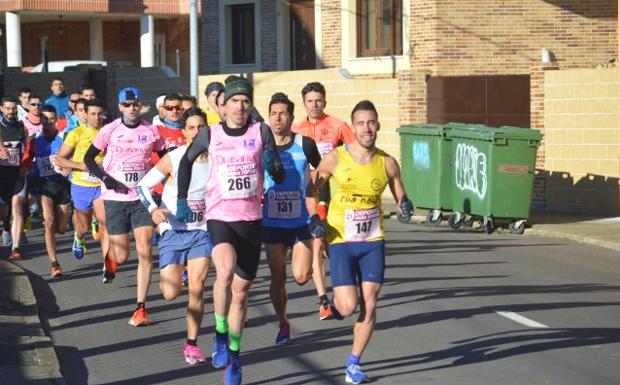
(173, 108)
(36, 104)
(73, 100)
(128, 105)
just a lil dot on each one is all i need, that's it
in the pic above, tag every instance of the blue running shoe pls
(283, 336)
(232, 375)
(219, 357)
(354, 374)
(78, 248)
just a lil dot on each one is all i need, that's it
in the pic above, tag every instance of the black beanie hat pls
(238, 86)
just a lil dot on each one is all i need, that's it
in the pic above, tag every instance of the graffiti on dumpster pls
(470, 168)
(421, 155)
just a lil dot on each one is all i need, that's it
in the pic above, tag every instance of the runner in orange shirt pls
(328, 132)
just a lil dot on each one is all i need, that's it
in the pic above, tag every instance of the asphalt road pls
(457, 308)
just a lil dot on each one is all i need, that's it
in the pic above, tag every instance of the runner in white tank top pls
(182, 243)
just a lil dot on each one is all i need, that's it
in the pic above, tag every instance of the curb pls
(534, 232)
(27, 353)
(531, 232)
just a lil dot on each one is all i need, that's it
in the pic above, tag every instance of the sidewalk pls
(602, 232)
(27, 355)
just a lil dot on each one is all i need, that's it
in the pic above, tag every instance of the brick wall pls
(210, 48)
(331, 33)
(269, 46)
(581, 141)
(468, 37)
(72, 44)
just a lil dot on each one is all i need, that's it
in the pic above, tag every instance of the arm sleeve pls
(199, 145)
(89, 161)
(311, 151)
(150, 180)
(271, 158)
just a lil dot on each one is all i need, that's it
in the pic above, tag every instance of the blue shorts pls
(286, 236)
(177, 247)
(353, 262)
(83, 196)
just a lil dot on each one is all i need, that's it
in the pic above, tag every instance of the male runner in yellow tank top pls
(358, 173)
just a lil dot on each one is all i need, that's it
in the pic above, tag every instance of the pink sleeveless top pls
(235, 183)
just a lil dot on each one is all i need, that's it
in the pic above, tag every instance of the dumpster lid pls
(423, 129)
(479, 132)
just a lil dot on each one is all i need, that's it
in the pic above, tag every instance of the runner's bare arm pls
(396, 186)
(63, 159)
(322, 174)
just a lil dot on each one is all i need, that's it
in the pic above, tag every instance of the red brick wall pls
(467, 37)
(331, 27)
(121, 41)
(72, 44)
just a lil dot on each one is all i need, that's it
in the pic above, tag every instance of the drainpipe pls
(193, 48)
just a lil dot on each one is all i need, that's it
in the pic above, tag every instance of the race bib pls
(88, 176)
(238, 180)
(14, 157)
(283, 204)
(129, 173)
(198, 207)
(360, 225)
(324, 148)
(47, 166)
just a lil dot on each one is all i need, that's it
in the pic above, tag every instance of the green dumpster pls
(426, 152)
(493, 174)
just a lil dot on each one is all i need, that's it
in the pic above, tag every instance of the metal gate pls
(493, 100)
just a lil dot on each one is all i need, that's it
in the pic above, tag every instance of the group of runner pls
(211, 185)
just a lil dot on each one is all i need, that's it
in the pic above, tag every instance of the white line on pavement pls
(520, 319)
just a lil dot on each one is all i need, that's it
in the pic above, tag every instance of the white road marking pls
(520, 319)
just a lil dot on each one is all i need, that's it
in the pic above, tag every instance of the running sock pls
(323, 299)
(353, 359)
(234, 342)
(221, 324)
(141, 305)
(55, 264)
(192, 342)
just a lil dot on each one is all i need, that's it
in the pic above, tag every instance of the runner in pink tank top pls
(236, 181)
(128, 143)
(238, 150)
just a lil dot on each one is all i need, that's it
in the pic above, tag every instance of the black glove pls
(317, 227)
(112, 184)
(406, 207)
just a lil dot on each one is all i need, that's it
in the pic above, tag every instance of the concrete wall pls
(581, 141)
(342, 94)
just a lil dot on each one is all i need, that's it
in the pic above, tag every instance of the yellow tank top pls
(80, 140)
(355, 213)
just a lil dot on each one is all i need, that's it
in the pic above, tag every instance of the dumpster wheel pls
(434, 218)
(487, 223)
(468, 221)
(517, 227)
(455, 220)
(402, 218)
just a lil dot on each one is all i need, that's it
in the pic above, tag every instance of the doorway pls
(303, 52)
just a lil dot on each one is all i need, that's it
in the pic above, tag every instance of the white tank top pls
(195, 195)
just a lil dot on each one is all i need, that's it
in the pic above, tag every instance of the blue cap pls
(129, 94)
